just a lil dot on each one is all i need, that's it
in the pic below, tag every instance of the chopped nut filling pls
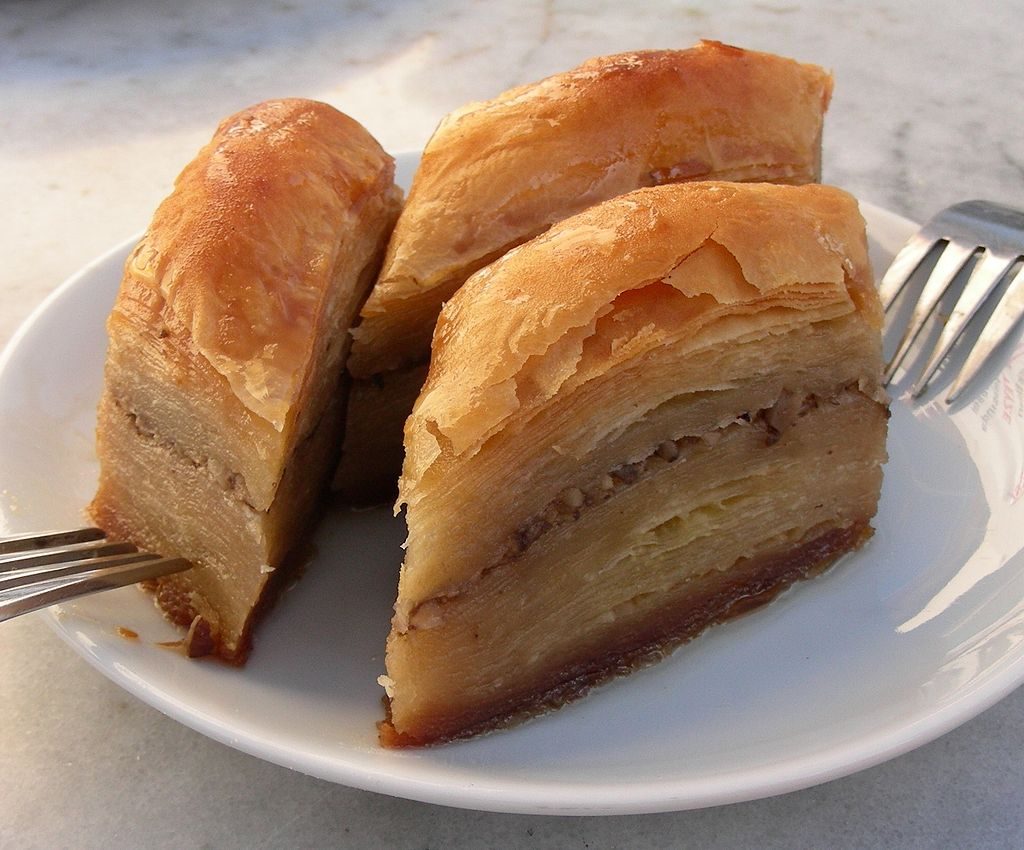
(232, 483)
(570, 502)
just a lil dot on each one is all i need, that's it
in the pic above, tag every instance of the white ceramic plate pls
(903, 641)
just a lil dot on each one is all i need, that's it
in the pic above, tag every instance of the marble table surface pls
(103, 102)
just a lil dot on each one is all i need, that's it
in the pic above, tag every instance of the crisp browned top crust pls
(498, 173)
(604, 287)
(233, 260)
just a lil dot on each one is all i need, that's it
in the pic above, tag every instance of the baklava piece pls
(647, 420)
(221, 410)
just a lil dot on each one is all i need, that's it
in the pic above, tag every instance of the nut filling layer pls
(233, 483)
(572, 502)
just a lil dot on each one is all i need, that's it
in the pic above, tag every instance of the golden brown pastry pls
(649, 419)
(220, 412)
(496, 174)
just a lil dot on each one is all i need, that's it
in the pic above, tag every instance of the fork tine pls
(25, 542)
(1007, 314)
(93, 581)
(951, 261)
(37, 570)
(983, 281)
(23, 561)
(66, 567)
(904, 264)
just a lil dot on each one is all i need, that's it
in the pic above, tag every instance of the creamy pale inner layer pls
(168, 501)
(608, 566)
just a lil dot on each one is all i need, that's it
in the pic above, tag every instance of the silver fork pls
(37, 570)
(994, 232)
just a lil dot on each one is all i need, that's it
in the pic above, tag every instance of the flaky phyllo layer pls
(227, 345)
(496, 174)
(663, 406)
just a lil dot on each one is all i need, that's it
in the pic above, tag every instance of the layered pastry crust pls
(221, 412)
(658, 413)
(498, 173)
